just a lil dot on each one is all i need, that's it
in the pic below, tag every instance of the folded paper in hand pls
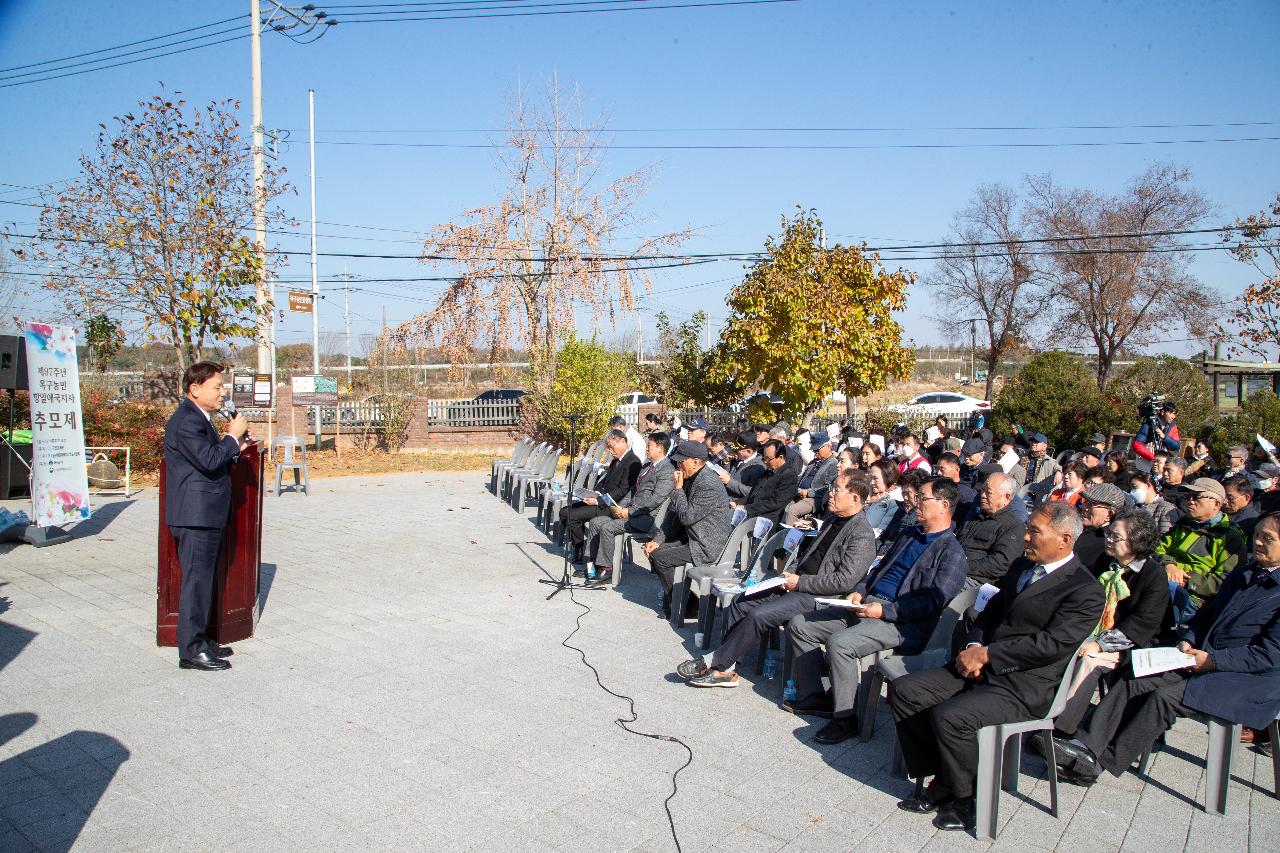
(985, 593)
(1157, 660)
(837, 602)
(763, 526)
(1009, 460)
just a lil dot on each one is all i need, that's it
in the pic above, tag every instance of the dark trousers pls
(574, 518)
(198, 549)
(750, 619)
(1131, 716)
(665, 559)
(938, 715)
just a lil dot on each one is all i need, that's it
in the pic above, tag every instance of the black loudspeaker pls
(13, 363)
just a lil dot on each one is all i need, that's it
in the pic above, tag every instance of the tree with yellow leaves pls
(809, 320)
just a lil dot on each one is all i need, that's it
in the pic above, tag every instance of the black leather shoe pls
(838, 730)
(921, 802)
(957, 815)
(204, 661)
(1075, 758)
(816, 705)
(1073, 777)
(1034, 743)
(221, 651)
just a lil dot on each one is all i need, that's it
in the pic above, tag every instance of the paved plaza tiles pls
(407, 690)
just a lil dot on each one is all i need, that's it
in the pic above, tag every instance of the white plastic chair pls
(288, 444)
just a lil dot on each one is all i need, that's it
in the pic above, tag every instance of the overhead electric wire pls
(120, 46)
(121, 64)
(475, 6)
(350, 19)
(886, 146)
(121, 55)
(922, 129)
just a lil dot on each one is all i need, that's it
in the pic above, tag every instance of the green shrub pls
(1258, 415)
(139, 426)
(1053, 393)
(589, 379)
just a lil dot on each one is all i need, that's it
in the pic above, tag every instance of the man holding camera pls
(1159, 430)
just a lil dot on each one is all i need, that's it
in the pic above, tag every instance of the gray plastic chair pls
(890, 667)
(298, 464)
(1000, 757)
(551, 502)
(689, 574)
(1223, 737)
(628, 540)
(534, 481)
(532, 462)
(760, 565)
(521, 452)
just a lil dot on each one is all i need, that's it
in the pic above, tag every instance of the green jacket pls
(1206, 554)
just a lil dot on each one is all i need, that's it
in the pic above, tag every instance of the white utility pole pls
(708, 331)
(261, 297)
(315, 281)
(346, 318)
(639, 337)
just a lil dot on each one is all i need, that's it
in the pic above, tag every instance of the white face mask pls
(1264, 485)
(1139, 496)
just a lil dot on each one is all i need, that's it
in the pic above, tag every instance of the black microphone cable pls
(624, 722)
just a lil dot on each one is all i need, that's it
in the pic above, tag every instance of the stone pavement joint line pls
(407, 690)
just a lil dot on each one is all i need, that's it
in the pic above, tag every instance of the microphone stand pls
(566, 577)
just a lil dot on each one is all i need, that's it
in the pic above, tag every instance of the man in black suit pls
(198, 504)
(1017, 652)
(617, 481)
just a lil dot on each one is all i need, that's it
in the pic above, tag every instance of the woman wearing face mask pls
(1137, 615)
(885, 499)
(1144, 494)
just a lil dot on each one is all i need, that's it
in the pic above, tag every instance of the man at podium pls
(198, 504)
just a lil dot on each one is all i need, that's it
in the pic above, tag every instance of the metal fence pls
(473, 413)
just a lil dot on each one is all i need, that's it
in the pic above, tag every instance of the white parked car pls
(942, 403)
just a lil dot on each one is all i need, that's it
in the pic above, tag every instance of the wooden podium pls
(235, 590)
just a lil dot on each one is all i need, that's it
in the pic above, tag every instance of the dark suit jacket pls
(1031, 635)
(745, 476)
(934, 579)
(772, 493)
(1146, 616)
(1240, 629)
(197, 477)
(701, 509)
(620, 478)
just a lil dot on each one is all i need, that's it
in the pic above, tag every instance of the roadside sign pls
(300, 300)
(315, 390)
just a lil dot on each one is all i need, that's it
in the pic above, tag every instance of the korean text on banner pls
(59, 480)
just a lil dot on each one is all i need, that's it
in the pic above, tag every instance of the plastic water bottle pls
(770, 665)
(788, 692)
(749, 581)
(662, 597)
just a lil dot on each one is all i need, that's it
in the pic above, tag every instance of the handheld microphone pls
(228, 411)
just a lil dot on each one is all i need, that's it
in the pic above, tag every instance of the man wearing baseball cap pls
(1201, 549)
(700, 504)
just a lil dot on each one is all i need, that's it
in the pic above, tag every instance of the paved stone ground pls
(407, 690)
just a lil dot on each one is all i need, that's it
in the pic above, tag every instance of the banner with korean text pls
(59, 480)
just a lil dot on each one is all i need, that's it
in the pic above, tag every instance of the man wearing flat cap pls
(748, 468)
(1098, 505)
(1201, 549)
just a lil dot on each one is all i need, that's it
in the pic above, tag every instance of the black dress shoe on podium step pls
(204, 661)
(221, 651)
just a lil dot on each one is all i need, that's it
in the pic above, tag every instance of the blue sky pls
(807, 64)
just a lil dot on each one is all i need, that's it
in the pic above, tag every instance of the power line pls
(412, 17)
(121, 64)
(120, 46)
(921, 129)
(820, 147)
(120, 56)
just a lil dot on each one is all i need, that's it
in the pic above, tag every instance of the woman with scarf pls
(1138, 613)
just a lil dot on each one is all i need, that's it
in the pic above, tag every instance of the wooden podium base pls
(235, 590)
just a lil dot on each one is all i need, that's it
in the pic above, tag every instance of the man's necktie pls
(1030, 576)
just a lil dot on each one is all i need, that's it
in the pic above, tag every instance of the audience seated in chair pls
(1201, 549)
(992, 537)
(815, 479)
(1017, 652)
(1235, 642)
(619, 479)
(772, 492)
(901, 600)
(828, 564)
(635, 512)
(1098, 505)
(699, 511)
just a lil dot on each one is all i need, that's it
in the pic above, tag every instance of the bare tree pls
(1256, 313)
(13, 293)
(1114, 267)
(988, 275)
(527, 264)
